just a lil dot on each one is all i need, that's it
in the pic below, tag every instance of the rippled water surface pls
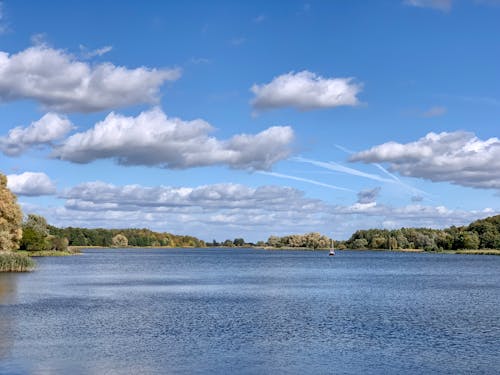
(191, 311)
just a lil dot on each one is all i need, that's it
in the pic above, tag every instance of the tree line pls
(480, 234)
(123, 237)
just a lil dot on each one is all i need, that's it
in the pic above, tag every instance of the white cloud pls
(228, 210)
(206, 197)
(457, 157)
(49, 128)
(153, 139)
(220, 211)
(93, 53)
(305, 91)
(442, 5)
(30, 184)
(434, 111)
(59, 82)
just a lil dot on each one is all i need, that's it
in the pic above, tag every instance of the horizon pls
(224, 120)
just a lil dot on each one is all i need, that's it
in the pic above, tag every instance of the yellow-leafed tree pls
(11, 218)
(120, 240)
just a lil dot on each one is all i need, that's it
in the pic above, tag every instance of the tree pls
(120, 240)
(10, 218)
(239, 242)
(228, 243)
(359, 243)
(58, 243)
(37, 223)
(35, 234)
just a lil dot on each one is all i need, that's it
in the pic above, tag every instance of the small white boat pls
(332, 250)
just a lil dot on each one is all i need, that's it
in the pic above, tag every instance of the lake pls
(223, 311)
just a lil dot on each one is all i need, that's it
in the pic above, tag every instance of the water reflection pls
(7, 296)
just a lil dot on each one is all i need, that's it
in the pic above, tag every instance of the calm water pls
(252, 312)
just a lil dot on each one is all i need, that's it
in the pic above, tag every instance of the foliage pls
(481, 234)
(10, 218)
(311, 240)
(37, 237)
(239, 242)
(119, 240)
(12, 262)
(58, 243)
(33, 240)
(135, 237)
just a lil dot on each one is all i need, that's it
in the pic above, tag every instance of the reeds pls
(12, 262)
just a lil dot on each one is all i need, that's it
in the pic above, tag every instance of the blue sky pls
(224, 119)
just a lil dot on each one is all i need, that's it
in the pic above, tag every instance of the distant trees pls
(135, 237)
(481, 234)
(311, 240)
(10, 218)
(238, 242)
(119, 240)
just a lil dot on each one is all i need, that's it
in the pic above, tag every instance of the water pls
(197, 311)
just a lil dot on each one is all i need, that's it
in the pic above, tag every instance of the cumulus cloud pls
(368, 195)
(457, 157)
(153, 139)
(51, 127)
(305, 91)
(206, 197)
(442, 5)
(60, 82)
(31, 184)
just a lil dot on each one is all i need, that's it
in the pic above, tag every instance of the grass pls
(47, 253)
(13, 262)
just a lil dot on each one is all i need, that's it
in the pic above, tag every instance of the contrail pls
(314, 182)
(340, 168)
(346, 150)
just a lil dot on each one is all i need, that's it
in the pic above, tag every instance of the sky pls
(227, 119)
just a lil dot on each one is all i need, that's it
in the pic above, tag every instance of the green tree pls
(239, 242)
(33, 240)
(35, 234)
(10, 218)
(359, 243)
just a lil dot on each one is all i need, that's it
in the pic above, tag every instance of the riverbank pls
(47, 253)
(14, 262)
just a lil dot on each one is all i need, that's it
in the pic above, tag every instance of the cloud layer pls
(51, 127)
(59, 82)
(227, 210)
(305, 91)
(457, 157)
(30, 184)
(153, 139)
